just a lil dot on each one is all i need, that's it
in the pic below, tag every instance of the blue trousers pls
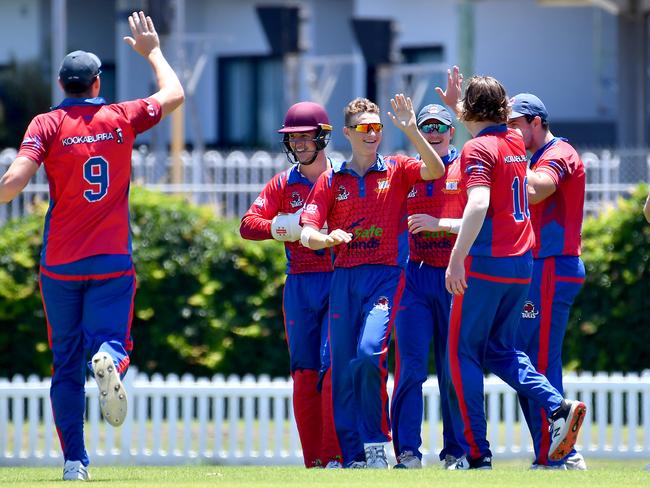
(89, 307)
(482, 331)
(555, 284)
(423, 316)
(305, 302)
(363, 304)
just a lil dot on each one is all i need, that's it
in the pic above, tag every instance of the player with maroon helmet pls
(364, 202)
(87, 277)
(275, 214)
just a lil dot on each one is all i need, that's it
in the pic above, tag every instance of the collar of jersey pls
(295, 176)
(378, 165)
(493, 129)
(449, 158)
(72, 102)
(542, 150)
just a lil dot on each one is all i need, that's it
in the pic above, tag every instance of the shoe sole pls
(112, 395)
(566, 445)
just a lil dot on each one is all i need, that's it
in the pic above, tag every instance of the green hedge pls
(609, 329)
(210, 302)
(207, 300)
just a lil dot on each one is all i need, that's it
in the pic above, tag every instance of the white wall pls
(20, 36)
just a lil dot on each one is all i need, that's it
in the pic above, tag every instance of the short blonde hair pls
(359, 106)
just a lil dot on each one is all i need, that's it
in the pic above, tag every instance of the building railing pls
(234, 420)
(230, 181)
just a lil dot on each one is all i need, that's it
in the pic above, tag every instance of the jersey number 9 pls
(96, 173)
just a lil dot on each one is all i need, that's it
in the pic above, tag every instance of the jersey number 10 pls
(520, 208)
(96, 173)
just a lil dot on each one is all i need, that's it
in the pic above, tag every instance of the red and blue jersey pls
(371, 207)
(285, 193)
(439, 198)
(557, 220)
(86, 146)
(496, 158)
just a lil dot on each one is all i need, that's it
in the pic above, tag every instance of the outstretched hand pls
(403, 115)
(145, 38)
(453, 91)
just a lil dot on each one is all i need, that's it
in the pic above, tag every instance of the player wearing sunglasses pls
(275, 215)
(435, 209)
(364, 202)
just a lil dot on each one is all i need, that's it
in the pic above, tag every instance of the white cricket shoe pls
(112, 395)
(75, 471)
(557, 467)
(334, 464)
(375, 456)
(576, 462)
(356, 465)
(408, 460)
(449, 461)
(564, 426)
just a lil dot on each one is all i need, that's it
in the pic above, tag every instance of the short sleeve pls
(477, 163)
(142, 114)
(36, 141)
(412, 170)
(556, 169)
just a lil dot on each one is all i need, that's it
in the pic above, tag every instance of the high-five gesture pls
(451, 95)
(145, 38)
(403, 115)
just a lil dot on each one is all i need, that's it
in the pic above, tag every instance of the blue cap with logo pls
(433, 111)
(78, 70)
(527, 104)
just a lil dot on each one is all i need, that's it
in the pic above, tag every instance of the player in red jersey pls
(364, 202)
(489, 274)
(434, 208)
(275, 214)
(556, 193)
(87, 277)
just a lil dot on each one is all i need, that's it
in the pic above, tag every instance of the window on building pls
(251, 101)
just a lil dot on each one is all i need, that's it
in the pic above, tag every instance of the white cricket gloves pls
(286, 227)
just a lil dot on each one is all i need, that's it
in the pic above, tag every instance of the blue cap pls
(433, 111)
(78, 70)
(527, 104)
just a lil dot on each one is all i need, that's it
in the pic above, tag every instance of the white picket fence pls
(230, 181)
(246, 420)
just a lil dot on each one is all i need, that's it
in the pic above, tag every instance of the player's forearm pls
(310, 237)
(540, 186)
(16, 178)
(255, 229)
(434, 167)
(170, 92)
(450, 225)
(473, 218)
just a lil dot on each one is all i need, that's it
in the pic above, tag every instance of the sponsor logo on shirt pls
(515, 158)
(259, 202)
(296, 200)
(151, 110)
(311, 209)
(103, 136)
(529, 311)
(382, 185)
(365, 237)
(343, 194)
(451, 186)
(413, 193)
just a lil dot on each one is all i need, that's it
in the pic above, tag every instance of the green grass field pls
(507, 474)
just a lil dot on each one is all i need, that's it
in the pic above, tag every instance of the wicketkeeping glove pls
(286, 227)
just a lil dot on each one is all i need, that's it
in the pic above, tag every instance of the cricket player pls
(364, 205)
(87, 277)
(556, 194)
(435, 209)
(489, 274)
(275, 214)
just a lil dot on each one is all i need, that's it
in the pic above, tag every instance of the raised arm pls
(451, 95)
(404, 119)
(146, 43)
(16, 178)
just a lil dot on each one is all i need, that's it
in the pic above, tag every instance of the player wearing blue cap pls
(87, 278)
(489, 274)
(423, 314)
(556, 194)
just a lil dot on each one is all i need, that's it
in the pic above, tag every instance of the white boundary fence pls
(229, 182)
(176, 420)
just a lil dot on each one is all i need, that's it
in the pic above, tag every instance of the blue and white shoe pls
(75, 471)
(408, 460)
(464, 463)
